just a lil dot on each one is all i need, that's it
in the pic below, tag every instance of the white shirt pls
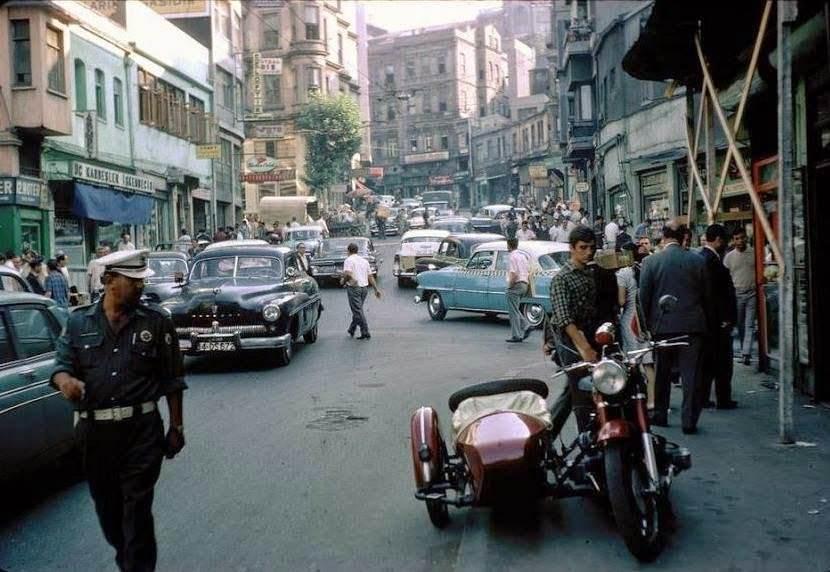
(526, 234)
(741, 266)
(359, 269)
(558, 234)
(294, 224)
(519, 265)
(611, 232)
(95, 271)
(10, 264)
(125, 245)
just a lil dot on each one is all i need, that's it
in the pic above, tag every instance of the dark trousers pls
(717, 366)
(357, 296)
(122, 462)
(689, 360)
(571, 398)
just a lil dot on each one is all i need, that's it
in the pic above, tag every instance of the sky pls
(397, 15)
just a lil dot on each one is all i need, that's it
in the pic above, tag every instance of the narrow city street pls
(307, 467)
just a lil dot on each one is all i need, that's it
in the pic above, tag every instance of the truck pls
(283, 209)
(443, 201)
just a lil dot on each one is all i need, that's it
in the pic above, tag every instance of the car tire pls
(311, 336)
(285, 354)
(403, 282)
(534, 314)
(435, 307)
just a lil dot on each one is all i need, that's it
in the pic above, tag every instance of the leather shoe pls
(514, 340)
(747, 360)
(350, 332)
(690, 430)
(527, 333)
(364, 337)
(731, 404)
(658, 421)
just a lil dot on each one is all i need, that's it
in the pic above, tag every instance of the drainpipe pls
(128, 100)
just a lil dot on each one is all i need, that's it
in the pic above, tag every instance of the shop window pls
(100, 95)
(22, 48)
(54, 59)
(80, 85)
(118, 101)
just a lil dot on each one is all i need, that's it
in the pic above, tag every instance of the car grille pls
(243, 331)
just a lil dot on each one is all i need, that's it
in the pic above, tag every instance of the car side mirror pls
(667, 303)
(291, 272)
(178, 277)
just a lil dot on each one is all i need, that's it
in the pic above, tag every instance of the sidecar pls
(500, 432)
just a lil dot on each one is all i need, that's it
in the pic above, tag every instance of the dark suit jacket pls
(682, 274)
(724, 303)
(304, 262)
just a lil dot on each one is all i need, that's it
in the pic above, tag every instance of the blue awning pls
(109, 205)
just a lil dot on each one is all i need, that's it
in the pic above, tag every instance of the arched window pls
(100, 94)
(80, 85)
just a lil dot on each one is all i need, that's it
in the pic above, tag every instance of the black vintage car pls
(328, 264)
(245, 298)
(454, 250)
(171, 268)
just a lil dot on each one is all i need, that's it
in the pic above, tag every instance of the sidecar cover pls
(524, 402)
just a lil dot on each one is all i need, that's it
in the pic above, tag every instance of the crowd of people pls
(48, 278)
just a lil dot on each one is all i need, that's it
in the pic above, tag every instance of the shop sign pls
(368, 172)
(208, 151)
(115, 10)
(258, 95)
(270, 177)
(268, 3)
(426, 157)
(201, 193)
(90, 134)
(582, 187)
(261, 164)
(21, 191)
(270, 66)
(180, 8)
(440, 180)
(538, 171)
(269, 131)
(112, 178)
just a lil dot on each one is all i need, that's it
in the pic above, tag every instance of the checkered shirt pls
(573, 294)
(56, 284)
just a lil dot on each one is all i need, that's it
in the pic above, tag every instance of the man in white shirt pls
(95, 271)
(612, 229)
(525, 233)
(125, 243)
(357, 276)
(741, 264)
(518, 270)
(303, 260)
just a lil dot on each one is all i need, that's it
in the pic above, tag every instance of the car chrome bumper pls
(188, 344)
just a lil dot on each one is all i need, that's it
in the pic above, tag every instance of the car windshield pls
(237, 266)
(303, 234)
(452, 226)
(166, 267)
(553, 260)
(334, 247)
(422, 239)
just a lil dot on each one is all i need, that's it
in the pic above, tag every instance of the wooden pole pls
(739, 160)
(750, 73)
(711, 164)
(690, 131)
(696, 174)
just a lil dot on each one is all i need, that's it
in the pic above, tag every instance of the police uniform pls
(119, 429)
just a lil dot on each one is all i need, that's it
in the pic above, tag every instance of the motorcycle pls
(504, 451)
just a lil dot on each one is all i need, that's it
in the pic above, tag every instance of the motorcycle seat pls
(536, 386)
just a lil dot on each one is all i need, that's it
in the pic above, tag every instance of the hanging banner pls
(271, 176)
(258, 95)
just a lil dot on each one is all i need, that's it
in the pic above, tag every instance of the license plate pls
(216, 347)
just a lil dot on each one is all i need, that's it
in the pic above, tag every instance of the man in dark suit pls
(303, 260)
(717, 364)
(682, 274)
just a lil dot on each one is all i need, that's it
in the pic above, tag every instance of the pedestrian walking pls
(357, 277)
(56, 285)
(717, 363)
(741, 264)
(95, 272)
(518, 270)
(682, 274)
(115, 359)
(610, 232)
(33, 277)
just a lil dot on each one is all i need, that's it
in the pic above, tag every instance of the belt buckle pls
(116, 414)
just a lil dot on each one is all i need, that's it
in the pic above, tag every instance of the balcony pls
(580, 142)
(577, 64)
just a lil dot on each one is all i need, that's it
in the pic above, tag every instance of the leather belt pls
(118, 413)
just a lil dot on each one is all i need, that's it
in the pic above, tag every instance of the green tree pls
(332, 126)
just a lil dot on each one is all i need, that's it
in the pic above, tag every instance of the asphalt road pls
(307, 468)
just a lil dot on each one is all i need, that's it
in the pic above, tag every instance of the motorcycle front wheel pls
(636, 511)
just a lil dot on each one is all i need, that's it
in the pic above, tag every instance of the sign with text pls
(21, 191)
(208, 151)
(426, 157)
(269, 131)
(115, 10)
(270, 66)
(112, 178)
(270, 177)
(180, 8)
(538, 171)
(261, 164)
(582, 187)
(440, 180)
(368, 172)
(257, 87)
(91, 134)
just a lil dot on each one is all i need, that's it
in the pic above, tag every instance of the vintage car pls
(170, 269)
(454, 224)
(236, 243)
(415, 244)
(416, 217)
(479, 285)
(487, 218)
(328, 264)
(391, 223)
(454, 250)
(311, 236)
(35, 420)
(10, 280)
(245, 298)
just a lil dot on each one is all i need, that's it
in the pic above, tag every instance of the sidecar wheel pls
(638, 515)
(439, 513)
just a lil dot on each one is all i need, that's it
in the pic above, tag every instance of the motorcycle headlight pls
(271, 312)
(609, 377)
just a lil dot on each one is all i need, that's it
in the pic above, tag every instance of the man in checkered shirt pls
(581, 299)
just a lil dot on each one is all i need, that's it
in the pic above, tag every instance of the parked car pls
(328, 264)
(454, 250)
(454, 224)
(311, 236)
(11, 281)
(487, 218)
(480, 284)
(246, 298)
(170, 269)
(35, 421)
(415, 244)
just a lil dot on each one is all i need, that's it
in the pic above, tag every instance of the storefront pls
(25, 209)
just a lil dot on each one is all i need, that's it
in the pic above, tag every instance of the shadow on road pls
(27, 492)
(249, 361)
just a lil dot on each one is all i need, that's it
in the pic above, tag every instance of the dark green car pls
(35, 420)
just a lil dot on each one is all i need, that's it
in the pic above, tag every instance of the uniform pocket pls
(87, 348)
(143, 358)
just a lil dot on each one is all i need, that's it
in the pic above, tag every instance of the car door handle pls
(30, 373)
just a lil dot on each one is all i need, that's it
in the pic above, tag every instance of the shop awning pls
(109, 205)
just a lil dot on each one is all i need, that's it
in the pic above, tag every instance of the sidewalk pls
(760, 505)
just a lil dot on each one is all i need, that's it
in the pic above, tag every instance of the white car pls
(415, 244)
(416, 217)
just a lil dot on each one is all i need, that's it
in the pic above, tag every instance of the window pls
(490, 67)
(271, 149)
(481, 73)
(100, 95)
(312, 78)
(410, 69)
(34, 330)
(197, 127)
(54, 59)
(491, 150)
(392, 148)
(445, 142)
(482, 111)
(165, 107)
(463, 64)
(271, 31)
(340, 49)
(442, 65)
(80, 85)
(413, 145)
(118, 101)
(22, 48)
(224, 166)
(442, 102)
(271, 85)
(236, 38)
(312, 23)
(225, 88)
(426, 100)
(390, 112)
(585, 111)
(390, 75)
(428, 142)
(223, 18)
(463, 101)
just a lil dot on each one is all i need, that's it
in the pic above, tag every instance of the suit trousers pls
(689, 360)
(717, 366)
(357, 296)
(122, 462)
(518, 323)
(747, 302)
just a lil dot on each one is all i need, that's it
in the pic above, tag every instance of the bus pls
(444, 201)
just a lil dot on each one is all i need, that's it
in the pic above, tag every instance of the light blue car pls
(479, 285)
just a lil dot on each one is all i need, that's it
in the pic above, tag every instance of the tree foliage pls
(332, 126)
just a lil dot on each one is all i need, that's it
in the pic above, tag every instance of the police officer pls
(115, 359)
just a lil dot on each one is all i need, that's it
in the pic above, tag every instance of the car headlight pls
(271, 312)
(431, 266)
(609, 377)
